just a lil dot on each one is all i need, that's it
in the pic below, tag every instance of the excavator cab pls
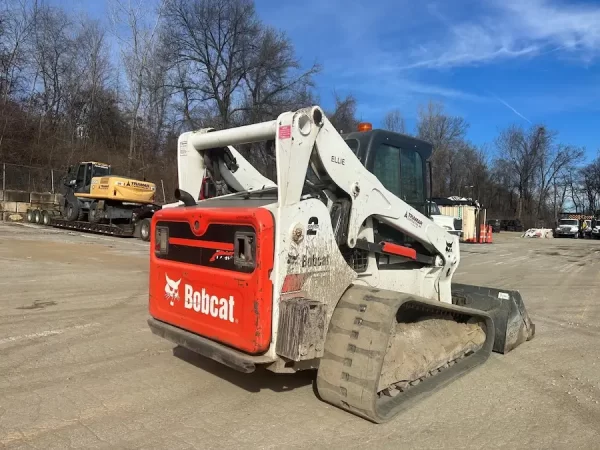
(79, 178)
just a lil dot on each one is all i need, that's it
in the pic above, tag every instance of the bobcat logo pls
(172, 290)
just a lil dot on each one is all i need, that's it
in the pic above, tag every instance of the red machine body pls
(210, 274)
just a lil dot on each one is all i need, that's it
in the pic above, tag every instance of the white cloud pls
(386, 61)
(512, 29)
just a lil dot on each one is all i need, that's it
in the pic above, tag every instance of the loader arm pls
(202, 156)
(334, 162)
(307, 138)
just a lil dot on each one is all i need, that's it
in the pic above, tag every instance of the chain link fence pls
(28, 178)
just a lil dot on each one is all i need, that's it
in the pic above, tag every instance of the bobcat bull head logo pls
(172, 290)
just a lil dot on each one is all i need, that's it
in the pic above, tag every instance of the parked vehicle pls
(511, 225)
(320, 275)
(96, 200)
(587, 229)
(495, 224)
(451, 224)
(595, 230)
(568, 228)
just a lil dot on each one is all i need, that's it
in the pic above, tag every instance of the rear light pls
(244, 249)
(161, 241)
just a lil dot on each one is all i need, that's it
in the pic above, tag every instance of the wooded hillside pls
(196, 63)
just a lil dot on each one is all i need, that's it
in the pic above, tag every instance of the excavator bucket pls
(512, 324)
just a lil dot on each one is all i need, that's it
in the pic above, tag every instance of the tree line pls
(187, 64)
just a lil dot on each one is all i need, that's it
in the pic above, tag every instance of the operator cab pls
(399, 161)
(79, 177)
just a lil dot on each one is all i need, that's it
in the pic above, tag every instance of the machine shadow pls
(260, 379)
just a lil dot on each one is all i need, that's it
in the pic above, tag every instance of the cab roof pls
(96, 163)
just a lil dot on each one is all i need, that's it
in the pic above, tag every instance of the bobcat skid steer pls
(335, 268)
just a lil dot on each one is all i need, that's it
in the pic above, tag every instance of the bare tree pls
(54, 56)
(589, 176)
(447, 134)
(90, 74)
(136, 48)
(554, 160)
(394, 121)
(522, 151)
(560, 184)
(15, 29)
(343, 117)
(215, 40)
(274, 79)
(576, 193)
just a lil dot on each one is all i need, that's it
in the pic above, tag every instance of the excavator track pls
(358, 338)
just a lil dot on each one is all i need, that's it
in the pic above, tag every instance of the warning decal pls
(285, 132)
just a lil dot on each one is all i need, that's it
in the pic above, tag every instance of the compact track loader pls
(336, 267)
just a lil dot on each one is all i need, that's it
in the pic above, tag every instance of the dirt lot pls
(80, 369)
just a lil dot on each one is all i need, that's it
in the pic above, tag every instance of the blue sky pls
(495, 62)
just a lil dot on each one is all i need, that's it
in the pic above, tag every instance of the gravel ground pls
(80, 369)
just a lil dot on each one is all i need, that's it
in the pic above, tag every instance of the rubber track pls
(355, 346)
(100, 228)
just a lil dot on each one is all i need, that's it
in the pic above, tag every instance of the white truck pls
(451, 224)
(567, 228)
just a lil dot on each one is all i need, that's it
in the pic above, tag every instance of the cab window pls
(411, 177)
(88, 178)
(386, 168)
(80, 174)
(100, 171)
(401, 172)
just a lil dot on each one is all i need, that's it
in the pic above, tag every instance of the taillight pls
(161, 241)
(244, 249)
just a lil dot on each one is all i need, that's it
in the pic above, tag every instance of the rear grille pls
(221, 246)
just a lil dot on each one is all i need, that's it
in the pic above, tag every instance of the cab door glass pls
(88, 179)
(386, 167)
(80, 175)
(411, 177)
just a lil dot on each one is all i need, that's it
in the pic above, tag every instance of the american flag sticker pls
(285, 132)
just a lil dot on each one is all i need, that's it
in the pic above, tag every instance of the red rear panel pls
(213, 277)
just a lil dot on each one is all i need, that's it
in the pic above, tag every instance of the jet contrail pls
(510, 107)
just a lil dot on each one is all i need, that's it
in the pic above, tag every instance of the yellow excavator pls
(96, 200)
(92, 190)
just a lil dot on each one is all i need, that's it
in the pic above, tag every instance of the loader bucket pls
(511, 321)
